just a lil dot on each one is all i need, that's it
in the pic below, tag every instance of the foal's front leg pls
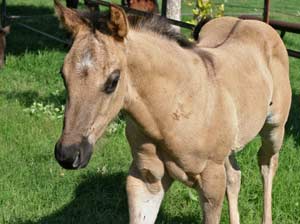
(211, 187)
(145, 194)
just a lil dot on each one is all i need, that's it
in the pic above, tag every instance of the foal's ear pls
(70, 19)
(118, 23)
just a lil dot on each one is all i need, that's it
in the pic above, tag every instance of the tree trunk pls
(174, 11)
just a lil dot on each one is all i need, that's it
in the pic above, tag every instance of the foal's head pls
(94, 76)
(3, 32)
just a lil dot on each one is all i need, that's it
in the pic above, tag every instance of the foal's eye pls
(112, 82)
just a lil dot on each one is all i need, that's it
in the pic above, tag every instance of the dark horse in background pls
(73, 3)
(143, 5)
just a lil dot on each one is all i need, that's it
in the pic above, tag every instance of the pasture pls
(33, 187)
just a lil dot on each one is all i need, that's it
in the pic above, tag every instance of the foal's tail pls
(199, 26)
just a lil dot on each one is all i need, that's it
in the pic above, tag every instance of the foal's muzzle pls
(73, 156)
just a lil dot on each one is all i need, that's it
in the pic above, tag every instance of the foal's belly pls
(188, 143)
(237, 118)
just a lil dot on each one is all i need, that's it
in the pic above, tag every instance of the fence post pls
(174, 11)
(267, 11)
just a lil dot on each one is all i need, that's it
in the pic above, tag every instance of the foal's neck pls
(161, 74)
(154, 59)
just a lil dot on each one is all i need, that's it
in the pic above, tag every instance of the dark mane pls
(160, 26)
(152, 23)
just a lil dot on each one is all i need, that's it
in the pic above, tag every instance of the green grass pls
(34, 189)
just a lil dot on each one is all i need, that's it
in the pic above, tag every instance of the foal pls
(189, 106)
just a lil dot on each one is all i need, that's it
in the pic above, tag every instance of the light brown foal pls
(190, 106)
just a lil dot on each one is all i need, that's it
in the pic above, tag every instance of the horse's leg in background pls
(211, 188)
(72, 4)
(145, 196)
(3, 33)
(92, 8)
(233, 184)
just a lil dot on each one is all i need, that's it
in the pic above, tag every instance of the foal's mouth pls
(73, 156)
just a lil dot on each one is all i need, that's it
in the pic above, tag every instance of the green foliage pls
(203, 9)
(117, 126)
(50, 110)
(39, 109)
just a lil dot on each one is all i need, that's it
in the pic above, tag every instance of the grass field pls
(34, 189)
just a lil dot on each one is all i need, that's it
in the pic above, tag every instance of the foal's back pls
(251, 66)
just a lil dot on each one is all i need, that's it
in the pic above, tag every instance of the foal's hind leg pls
(273, 131)
(233, 184)
(272, 137)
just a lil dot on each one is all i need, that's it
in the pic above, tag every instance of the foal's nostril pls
(67, 157)
(73, 156)
(76, 162)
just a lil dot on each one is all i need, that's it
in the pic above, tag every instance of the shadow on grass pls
(293, 123)
(27, 98)
(100, 199)
(21, 40)
(166, 219)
